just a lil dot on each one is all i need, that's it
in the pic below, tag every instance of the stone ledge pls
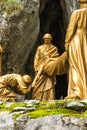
(49, 115)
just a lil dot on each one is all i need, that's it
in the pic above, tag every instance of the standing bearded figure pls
(76, 46)
(43, 84)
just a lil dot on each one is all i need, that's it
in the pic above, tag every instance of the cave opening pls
(51, 21)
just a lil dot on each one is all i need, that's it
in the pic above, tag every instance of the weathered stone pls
(6, 122)
(66, 120)
(21, 98)
(20, 109)
(20, 122)
(31, 102)
(23, 109)
(17, 112)
(54, 122)
(47, 122)
(4, 113)
(22, 31)
(75, 105)
(78, 121)
(8, 105)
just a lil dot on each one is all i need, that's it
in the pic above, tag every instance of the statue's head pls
(82, 1)
(47, 36)
(27, 79)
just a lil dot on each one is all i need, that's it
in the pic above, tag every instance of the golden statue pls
(76, 46)
(57, 66)
(43, 84)
(11, 83)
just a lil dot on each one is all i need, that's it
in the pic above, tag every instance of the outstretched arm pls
(37, 76)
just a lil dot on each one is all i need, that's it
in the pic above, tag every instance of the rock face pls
(6, 122)
(56, 122)
(62, 121)
(23, 32)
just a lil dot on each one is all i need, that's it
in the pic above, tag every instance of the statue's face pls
(47, 40)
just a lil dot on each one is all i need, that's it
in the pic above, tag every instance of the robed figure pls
(44, 84)
(76, 46)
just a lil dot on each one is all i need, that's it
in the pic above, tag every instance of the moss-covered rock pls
(56, 109)
(46, 108)
(10, 6)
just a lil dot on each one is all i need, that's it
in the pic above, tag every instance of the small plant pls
(11, 6)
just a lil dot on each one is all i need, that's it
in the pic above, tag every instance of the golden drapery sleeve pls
(57, 66)
(71, 28)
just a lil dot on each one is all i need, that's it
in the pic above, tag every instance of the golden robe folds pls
(76, 45)
(44, 88)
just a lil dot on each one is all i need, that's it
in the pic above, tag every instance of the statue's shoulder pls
(75, 11)
(79, 10)
(82, 10)
(40, 47)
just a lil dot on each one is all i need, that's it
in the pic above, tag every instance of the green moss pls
(47, 112)
(53, 104)
(16, 115)
(3, 106)
(45, 108)
(17, 105)
(10, 6)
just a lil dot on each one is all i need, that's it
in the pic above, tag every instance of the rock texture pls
(59, 121)
(21, 33)
(56, 122)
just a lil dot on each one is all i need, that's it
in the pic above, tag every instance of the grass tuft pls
(10, 6)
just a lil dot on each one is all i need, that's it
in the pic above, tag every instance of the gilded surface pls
(11, 83)
(58, 65)
(76, 46)
(43, 83)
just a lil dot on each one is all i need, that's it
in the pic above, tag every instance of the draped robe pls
(11, 83)
(44, 86)
(76, 45)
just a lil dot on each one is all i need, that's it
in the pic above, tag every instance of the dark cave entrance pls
(51, 21)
